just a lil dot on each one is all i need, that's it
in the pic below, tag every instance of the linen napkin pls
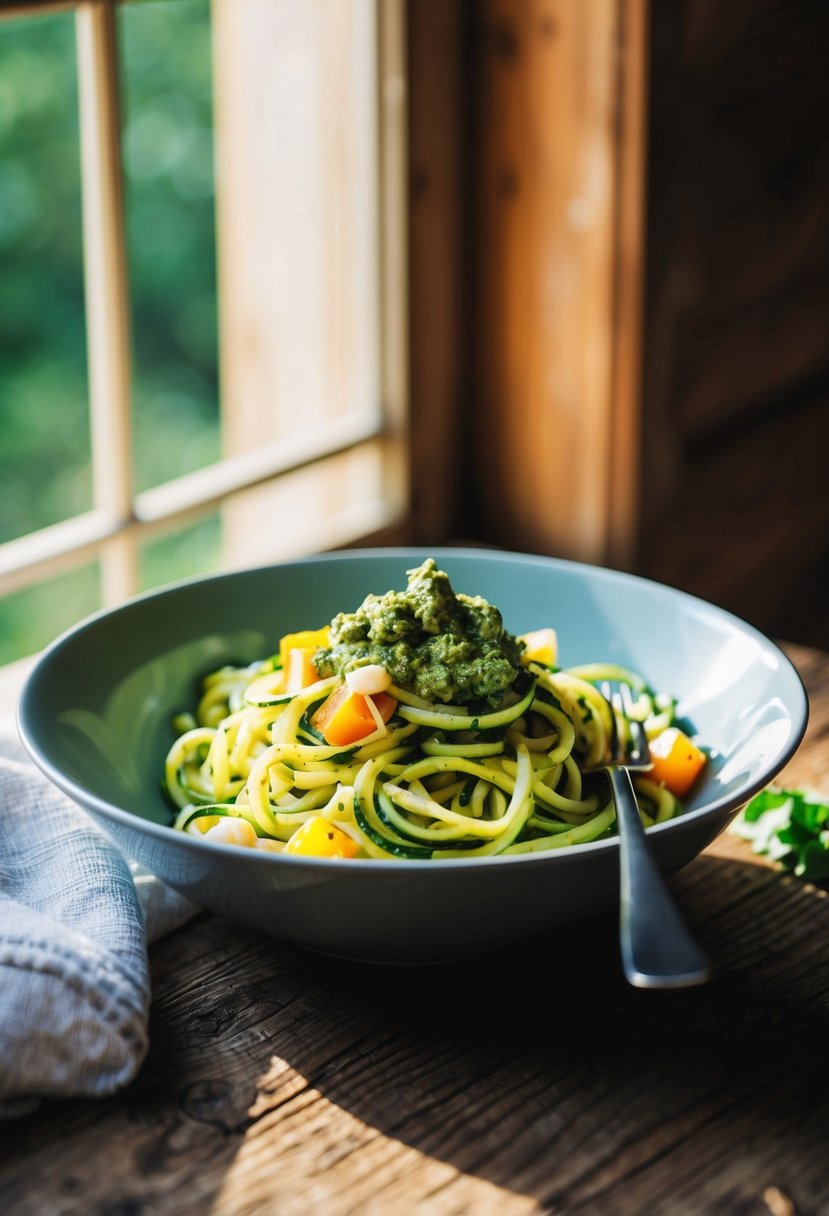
(76, 918)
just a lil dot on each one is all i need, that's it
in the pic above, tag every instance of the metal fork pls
(658, 950)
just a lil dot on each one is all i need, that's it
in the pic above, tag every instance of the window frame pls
(473, 341)
(120, 518)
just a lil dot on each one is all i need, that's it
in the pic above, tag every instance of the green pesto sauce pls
(439, 645)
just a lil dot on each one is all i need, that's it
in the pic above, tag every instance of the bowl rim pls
(727, 803)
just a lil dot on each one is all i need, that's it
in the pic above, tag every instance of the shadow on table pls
(537, 1069)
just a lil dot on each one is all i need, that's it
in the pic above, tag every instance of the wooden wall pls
(542, 119)
(525, 198)
(736, 343)
(618, 283)
(552, 165)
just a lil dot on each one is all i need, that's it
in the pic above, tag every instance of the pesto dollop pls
(439, 645)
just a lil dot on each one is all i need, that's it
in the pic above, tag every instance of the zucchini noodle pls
(434, 781)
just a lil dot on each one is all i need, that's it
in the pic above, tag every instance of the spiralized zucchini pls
(435, 782)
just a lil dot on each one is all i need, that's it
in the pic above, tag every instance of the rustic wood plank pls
(624, 473)
(738, 256)
(438, 263)
(532, 1081)
(555, 230)
(746, 523)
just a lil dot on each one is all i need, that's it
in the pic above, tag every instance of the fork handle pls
(658, 950)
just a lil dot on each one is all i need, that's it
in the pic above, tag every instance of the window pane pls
(169, 198)
(32, 618)
(44, 417)
(297, 105)
(183, 553)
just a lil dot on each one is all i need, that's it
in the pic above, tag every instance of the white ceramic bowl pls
(95, 715)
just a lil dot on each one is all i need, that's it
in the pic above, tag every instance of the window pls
(195, 434)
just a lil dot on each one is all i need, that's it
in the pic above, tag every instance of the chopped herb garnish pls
(791, 827)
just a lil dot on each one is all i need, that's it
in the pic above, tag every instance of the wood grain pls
(106, 285)
(736, 361)
(309, 152)
(438, 262)
(746, 523)
(738, 256)
(560, 136)
(534, 1081)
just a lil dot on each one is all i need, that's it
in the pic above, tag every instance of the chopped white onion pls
(232, 831)
(368, 680)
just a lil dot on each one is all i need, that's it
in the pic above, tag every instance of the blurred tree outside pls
(45, 473)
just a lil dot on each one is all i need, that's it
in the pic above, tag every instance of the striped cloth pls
(75, 922)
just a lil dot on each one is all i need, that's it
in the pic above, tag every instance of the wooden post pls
(438, 257)
(107, 289)
(560, 107)
(308, 114)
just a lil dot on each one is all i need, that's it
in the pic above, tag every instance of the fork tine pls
(639, 748)
(627, 741)
(607, 692)
(626, 696)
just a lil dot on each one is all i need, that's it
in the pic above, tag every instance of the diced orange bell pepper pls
(345, 717)
(677, 761)
(319, 838)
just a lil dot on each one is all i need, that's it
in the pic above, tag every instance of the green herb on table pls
(791, 827)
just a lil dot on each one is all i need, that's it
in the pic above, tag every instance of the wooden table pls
(537, 1081)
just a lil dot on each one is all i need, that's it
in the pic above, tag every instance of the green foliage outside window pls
(44, 419)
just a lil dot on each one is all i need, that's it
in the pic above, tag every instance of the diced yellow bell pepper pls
(296, 650)
(300, 672)
(541, 646)
(319, 838)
